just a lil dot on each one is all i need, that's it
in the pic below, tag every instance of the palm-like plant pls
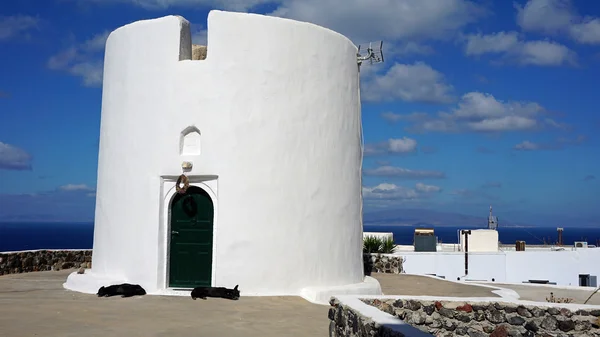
(371, 244)
(374, 244)
(387, 245)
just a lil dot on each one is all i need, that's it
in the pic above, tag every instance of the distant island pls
(430, 218)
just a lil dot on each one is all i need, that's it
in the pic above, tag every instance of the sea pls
(18, 236)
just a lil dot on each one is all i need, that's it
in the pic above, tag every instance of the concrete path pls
(35, 304)
(539, 293)
(393, 284)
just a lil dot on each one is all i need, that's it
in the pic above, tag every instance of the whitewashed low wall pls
(561, 267)
(381, 235)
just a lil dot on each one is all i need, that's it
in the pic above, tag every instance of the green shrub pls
(371, 244)
(387, 246)
(374, 244)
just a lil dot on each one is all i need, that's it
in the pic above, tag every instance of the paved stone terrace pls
(394, 284)
(35, 304)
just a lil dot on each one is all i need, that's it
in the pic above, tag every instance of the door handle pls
(175, 232)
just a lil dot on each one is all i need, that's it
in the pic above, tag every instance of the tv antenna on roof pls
(374, 53)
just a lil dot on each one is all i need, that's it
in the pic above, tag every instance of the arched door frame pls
(209, 185)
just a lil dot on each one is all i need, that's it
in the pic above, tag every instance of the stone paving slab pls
(35, 304)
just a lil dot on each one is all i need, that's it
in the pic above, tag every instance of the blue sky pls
(478, 102)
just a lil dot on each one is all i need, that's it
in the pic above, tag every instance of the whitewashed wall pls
(277, 106)
(562, 267)
(481, 240)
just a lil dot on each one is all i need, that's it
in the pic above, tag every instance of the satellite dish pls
(373, 54)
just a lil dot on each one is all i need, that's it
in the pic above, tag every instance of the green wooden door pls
(190, 261)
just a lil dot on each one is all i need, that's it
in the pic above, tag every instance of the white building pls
(480, 240)
(271, 122)
(564, 268)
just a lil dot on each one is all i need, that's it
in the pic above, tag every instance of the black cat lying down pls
(222, 292)
(125, 290)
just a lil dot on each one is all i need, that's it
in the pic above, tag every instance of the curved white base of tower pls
(322, 295)
(89, 283)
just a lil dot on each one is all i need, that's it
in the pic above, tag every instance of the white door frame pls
(209, 184)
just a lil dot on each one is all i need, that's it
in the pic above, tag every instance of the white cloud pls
(404, 25)
(558, 17)
(503, 123)
(559, 144)
(16, 26)
(387, 191)
(548, 16)
(400, 172)
(392, 146)
(427, 188)
(83, 60)
(403, 20)
(587, 32)
(402, 145)
(515, 50)
(477, 44)
(556, 124)
(527, 146)
(234, 5)
(76, 187)
(416, 82)
(96, 43)
(480, 112)
(14, 158)
(361, 20)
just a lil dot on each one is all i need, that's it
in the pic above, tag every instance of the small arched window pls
(189, 143)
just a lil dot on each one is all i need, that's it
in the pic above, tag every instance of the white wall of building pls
(562, 267)
(481, 240)
(277, 106)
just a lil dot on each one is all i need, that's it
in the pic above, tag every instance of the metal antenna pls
(374, 53)
(492, 221)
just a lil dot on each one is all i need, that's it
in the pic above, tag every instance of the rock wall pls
(42, 260)
(198, 52)
(491, 319)
(347, 322)
(383, 263)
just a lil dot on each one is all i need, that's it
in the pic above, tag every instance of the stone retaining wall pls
(383, 263)
(347, 322)
(42, 260)
(491, 318)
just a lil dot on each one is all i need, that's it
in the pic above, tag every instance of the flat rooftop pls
(36, 304)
